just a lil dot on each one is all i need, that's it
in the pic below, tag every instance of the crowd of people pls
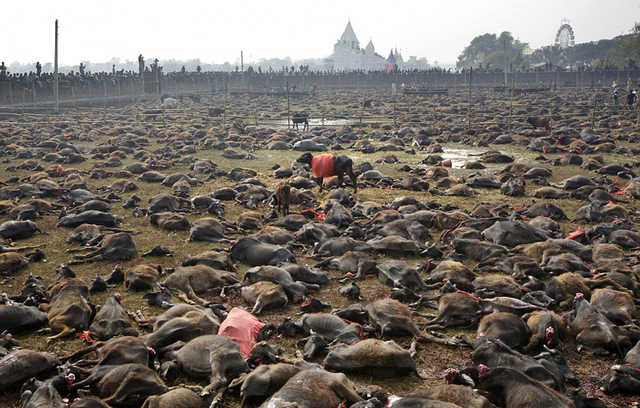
(84, 78)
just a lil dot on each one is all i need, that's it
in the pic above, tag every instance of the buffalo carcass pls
(17, 317)
(116, 351)
(295, 290)
(168, 202)
(621, 379)
(175, 398)
(113, 247)
(143, 277)
(18, 229)
(456, 309)
(264, 295)
(398, 274)
(321, 389)
(36, 394)
(120, 385)
(494, 353)
(265, 380)
(20, 365)
(253, 252)
(111, 320)
(88, 217)
(214, 259)
(508, 387)
(382, 359)
(505, 326)
(352, 262)
(68, 311)
(214, 357)
(593, 330)
(183, 328)
(189, 281)
(207, 229)
(329, 326)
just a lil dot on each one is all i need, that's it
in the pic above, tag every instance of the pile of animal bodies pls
(534, 291)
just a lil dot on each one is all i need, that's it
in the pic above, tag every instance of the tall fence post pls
(73, 94)
(593, 115)
(469, 99)
(33, 91)
(11, 95)
(288, 107)
(224, 114)
(510, 105)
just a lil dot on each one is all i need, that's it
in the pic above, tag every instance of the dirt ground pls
(87, 128)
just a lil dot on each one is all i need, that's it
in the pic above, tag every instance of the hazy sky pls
(215, 31)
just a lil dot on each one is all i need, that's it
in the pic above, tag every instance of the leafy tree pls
(626, 54)
(489, 48)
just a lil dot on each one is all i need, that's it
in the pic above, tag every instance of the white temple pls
(348, 56)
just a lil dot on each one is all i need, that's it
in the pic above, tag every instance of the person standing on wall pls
(38, 69)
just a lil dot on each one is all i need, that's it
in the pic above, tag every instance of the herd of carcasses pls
(532, 291)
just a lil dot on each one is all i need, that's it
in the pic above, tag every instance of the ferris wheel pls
(564, 37)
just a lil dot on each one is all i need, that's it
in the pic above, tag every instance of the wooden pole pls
(593, 116)
(224, 114)
(469, 100)
(510, 105)
(55, 70)
(288, 106)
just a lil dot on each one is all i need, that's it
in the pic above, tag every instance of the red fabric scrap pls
(575, 234)
(243, 328)
(322, 166)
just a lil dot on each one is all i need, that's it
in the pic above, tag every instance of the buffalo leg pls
(353, 178)
(65, 332)
(135, 384)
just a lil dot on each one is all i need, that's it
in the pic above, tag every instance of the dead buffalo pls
(183, 328)
(253, 252)
(110, 321)
(321, 389)
(594, 331)
(168, 202)
(264, 381)
(18, 229)
(214, 357)
(68, 312)
(116, 351)
(377, 358)
(189, 281)
(504, 326)
(20, 365)
(113, 247)
(207, 229)
(508, 387)
(123, 384)
(17, 317)
(494, 353)
(295, 290)
(178, 397)
(89, 217)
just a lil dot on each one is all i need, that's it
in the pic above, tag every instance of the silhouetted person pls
(140, 64)
(38, 68)
(81, 68)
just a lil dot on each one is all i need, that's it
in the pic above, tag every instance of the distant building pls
(348, 56)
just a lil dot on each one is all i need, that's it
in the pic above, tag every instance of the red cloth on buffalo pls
(322, 166)
(243, 328)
